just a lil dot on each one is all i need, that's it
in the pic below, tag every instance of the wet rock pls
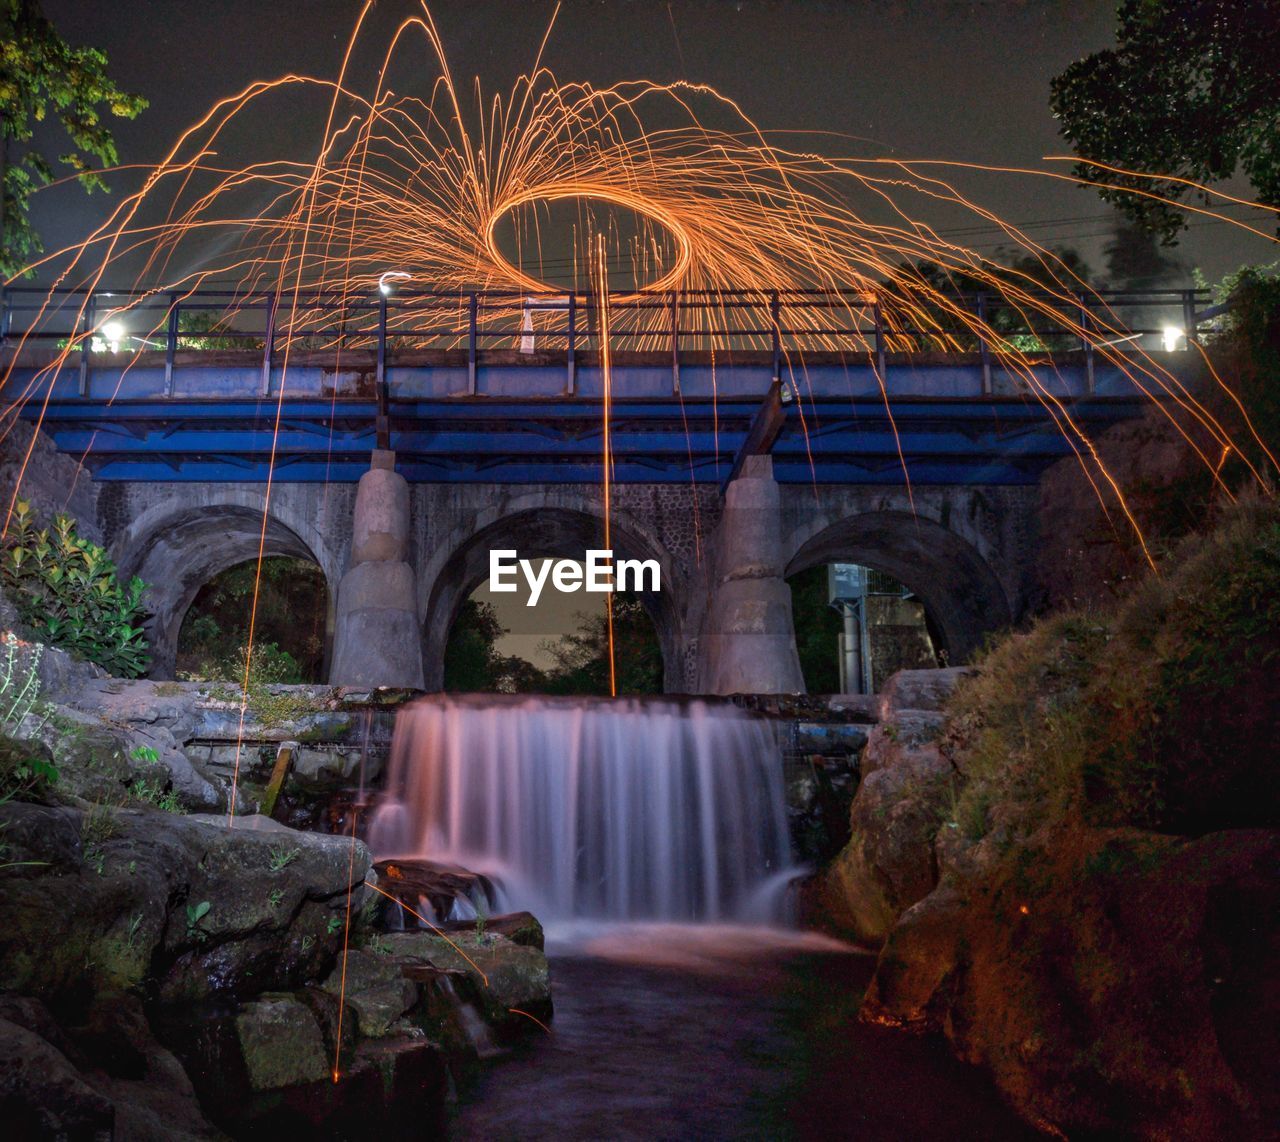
(504, 975)
(281, 1043)
(519, 927)
(411, 879)
(43, 1095)
(1116, 983)
(918, 971)
(114, 895)
(375, 988)
(889, 862)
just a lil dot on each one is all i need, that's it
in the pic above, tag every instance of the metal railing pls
(567, 325)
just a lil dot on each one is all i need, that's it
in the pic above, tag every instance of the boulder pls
(1116, 983)
(375, 988)
(919, 690)
(889, 863)
(108, 896)
(43, 1094)
(409, 879)
(519, 927)
(508, 978)
(280, 1043)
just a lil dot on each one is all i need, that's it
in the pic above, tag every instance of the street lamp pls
(113, 332)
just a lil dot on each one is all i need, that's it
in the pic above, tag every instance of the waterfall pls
(578, 808)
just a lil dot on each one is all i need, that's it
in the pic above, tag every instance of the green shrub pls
(1160, 713)
(66, 591)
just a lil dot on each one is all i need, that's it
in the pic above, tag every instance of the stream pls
(679, 1032)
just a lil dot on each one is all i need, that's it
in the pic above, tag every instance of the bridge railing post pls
(6, 314)
(382, 427)
(571, 360)
(1086, 325)
(90, 307)
(882, 368)
(269, 342)
(473, 314)
(775, 321)
(170, 342)
(984, 347)
(1189, 316)
(675, 342)
(382, 339)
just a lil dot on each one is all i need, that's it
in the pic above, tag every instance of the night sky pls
(926, 79)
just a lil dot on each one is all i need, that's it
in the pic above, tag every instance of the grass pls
(281, 858)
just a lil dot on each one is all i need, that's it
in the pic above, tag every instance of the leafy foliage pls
(42, 77)
(66, 590)
(293, 601)
(19, 682)
(1190, 91)
(1160, 713)
(1135, 259)
(1248, 343)
(582, 658)
(933, 293)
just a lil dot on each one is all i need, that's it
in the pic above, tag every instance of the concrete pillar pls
(749, 646)
(376, 640)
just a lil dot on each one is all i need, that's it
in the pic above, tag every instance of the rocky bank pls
(164, 975)
(1057, 890)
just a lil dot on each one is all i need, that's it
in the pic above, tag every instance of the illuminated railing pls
(410, 327)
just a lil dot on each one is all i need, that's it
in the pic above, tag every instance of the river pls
(676, 1032)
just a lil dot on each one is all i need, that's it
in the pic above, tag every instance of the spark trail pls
(441, 192)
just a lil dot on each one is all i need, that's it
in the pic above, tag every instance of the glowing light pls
(1170, 335)
(114, 332)
(386, 283)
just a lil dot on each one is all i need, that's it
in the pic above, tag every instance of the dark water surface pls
(678, 1033)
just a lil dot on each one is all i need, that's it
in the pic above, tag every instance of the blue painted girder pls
(993, 440)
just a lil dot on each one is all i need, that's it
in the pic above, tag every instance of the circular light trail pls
(614, 196)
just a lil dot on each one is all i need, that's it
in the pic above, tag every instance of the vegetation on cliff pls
(1100, 929)
(1160, 713)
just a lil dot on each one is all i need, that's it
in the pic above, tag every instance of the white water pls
(595, 809)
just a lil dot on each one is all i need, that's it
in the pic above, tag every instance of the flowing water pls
(581, 808)
(678, 1033)
(716, 1022)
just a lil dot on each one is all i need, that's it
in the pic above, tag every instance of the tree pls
(471, 660)
(293, 600)
(582, 659)
(1191, 90)
(924, 288)
(41, 75)
(1135, 259)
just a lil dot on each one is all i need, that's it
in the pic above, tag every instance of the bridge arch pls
(178, 550)
(535, 529)
(950, 576)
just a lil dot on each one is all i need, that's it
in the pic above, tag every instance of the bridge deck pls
(490, 412)
(212, 430)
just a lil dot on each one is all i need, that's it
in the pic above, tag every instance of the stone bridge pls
(965, 551)
(733, 472)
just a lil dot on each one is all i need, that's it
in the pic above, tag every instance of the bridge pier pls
(377, 642)
(750, 645)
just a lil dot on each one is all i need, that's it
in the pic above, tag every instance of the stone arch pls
(534, 531)
(177, 552)
(961, 593)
